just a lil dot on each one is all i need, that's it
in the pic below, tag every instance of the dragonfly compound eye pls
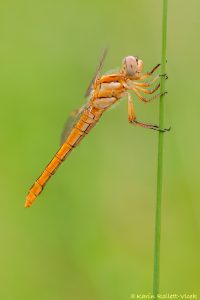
(130, 65)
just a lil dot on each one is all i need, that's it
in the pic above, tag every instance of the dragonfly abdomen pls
(86, 122)
(50, 169)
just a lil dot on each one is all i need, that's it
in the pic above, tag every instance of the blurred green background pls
(90, 235)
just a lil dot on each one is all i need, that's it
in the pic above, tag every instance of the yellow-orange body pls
(106, 91)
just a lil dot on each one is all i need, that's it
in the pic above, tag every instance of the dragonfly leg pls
(146, 92)
(146, 84)
(148, 74)
(131, 110)
(132, 118)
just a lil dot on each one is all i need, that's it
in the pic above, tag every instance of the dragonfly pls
(103, 92)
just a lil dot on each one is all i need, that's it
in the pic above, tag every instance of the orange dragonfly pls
(102, 93)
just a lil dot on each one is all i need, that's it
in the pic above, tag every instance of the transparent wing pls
(101, 62)
(75, 114)
(71, 121)
(113, 71)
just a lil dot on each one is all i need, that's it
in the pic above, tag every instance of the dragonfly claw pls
(165, 129)
(164, 75)
(160, 129)
(163, 94)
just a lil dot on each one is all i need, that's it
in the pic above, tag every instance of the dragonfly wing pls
(113, 71)
(75, 114)
(71, 121)
(100, 65)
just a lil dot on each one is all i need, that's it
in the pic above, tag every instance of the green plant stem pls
(156, 273)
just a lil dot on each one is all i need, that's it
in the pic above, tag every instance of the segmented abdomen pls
(87, 121)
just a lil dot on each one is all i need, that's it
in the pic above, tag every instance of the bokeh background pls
(90, 235)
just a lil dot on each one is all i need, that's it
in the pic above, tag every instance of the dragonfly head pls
(132, 67)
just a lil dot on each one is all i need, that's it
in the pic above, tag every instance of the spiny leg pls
(131, 110)
(139, 87)
(149, 92)
(132, 118)
(145, 99)
(148, 74)
(135, 90)
(146, 84)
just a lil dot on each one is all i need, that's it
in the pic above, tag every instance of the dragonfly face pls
(132, 67)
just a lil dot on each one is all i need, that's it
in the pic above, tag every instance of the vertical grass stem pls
(156, 273)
